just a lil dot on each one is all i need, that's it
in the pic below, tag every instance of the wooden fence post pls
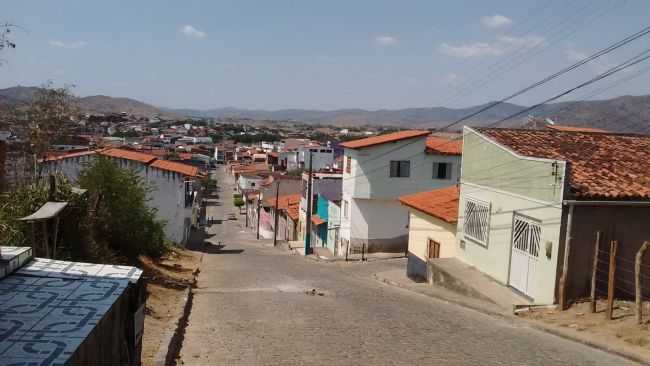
(637, 282)
(593, 272)
(612, 278)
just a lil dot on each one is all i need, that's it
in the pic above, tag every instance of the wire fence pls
(620, 276)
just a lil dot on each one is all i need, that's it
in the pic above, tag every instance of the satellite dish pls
(549, 121)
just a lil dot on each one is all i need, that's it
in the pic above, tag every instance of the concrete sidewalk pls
(398, 278)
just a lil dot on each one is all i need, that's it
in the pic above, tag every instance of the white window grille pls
(476, 225)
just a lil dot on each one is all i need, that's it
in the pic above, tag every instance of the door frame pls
(512, 235)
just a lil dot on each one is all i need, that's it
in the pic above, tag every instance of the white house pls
(379, 169)
(176, 187)
(249, 181)
(531, 203)
(322, 157)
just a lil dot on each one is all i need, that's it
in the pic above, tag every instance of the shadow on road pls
(218, 249)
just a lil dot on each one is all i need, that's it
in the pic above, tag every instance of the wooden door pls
(434, 249)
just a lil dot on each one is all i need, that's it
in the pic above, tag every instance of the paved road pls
(250, 308)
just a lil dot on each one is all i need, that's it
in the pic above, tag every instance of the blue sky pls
(373, 54)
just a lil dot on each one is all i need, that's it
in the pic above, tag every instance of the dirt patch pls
(622, 332)
(167, 278)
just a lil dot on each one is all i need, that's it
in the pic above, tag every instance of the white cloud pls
(68, 45)
(192, 32)
(597, 66)
(451, 79)
(496, 21)
(471, 50)
(501, 45)
(386, 40)
(526, 41)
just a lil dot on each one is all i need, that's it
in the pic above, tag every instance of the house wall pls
(626, 224)
(333, 226)
(369, 176)
(511, 185)
(168, 197)
(379, 224)
(321, 157)
(244, 182)
(423, 227)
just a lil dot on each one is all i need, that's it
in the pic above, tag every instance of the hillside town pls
(510, 228)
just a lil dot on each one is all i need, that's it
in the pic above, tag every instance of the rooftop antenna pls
(549, 121)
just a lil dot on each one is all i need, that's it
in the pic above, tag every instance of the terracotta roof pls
(602, 165)
(575, 128)
(128, 154)
(283, 201)
(440, 203)
(317, 220)
(172, 166)
(444, 146)
(69, 155)
(185, 156)
(262, 167)
(382, 139)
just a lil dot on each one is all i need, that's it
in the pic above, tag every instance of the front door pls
(526, 238)
(434, 249)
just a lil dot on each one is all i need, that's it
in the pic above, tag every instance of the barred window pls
(476, 225)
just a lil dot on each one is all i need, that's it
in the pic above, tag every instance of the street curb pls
(532, 324)
(173, 339)
(464, 304)
(597, 345)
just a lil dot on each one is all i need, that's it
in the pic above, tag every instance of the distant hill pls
(621, 114)
(91, 104)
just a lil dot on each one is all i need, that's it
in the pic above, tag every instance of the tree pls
(238, 202)
(5, 37)
(123, 218)
(50, 110)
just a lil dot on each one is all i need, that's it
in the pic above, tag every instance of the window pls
(348, 164)
(441, 170)
(477, 221)
(400, 169)
(345, 209)
(252, 184)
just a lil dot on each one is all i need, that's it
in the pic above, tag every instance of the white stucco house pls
(379, 169)
(176, 186)
(532, 201)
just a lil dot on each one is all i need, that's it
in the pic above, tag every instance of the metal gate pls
(526, 238)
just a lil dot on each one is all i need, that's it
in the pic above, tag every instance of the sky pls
(371, 54)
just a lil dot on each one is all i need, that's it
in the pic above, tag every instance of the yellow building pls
(432, 227)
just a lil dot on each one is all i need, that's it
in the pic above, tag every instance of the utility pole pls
(259, 205)
(277, 214)
(309, 201)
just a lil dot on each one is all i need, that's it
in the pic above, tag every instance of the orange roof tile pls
(128, 154)
(316, 220)
(441, 203)
(172, 166)
(69, 155)
(444, 146)
(602, 165)
(382, 139)
(283, 201)
(575, 128)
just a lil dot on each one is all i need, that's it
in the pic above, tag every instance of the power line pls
(551, 77)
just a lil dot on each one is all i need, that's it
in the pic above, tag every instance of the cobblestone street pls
(253, 306)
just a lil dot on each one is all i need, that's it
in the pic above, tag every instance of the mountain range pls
(621, 114)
